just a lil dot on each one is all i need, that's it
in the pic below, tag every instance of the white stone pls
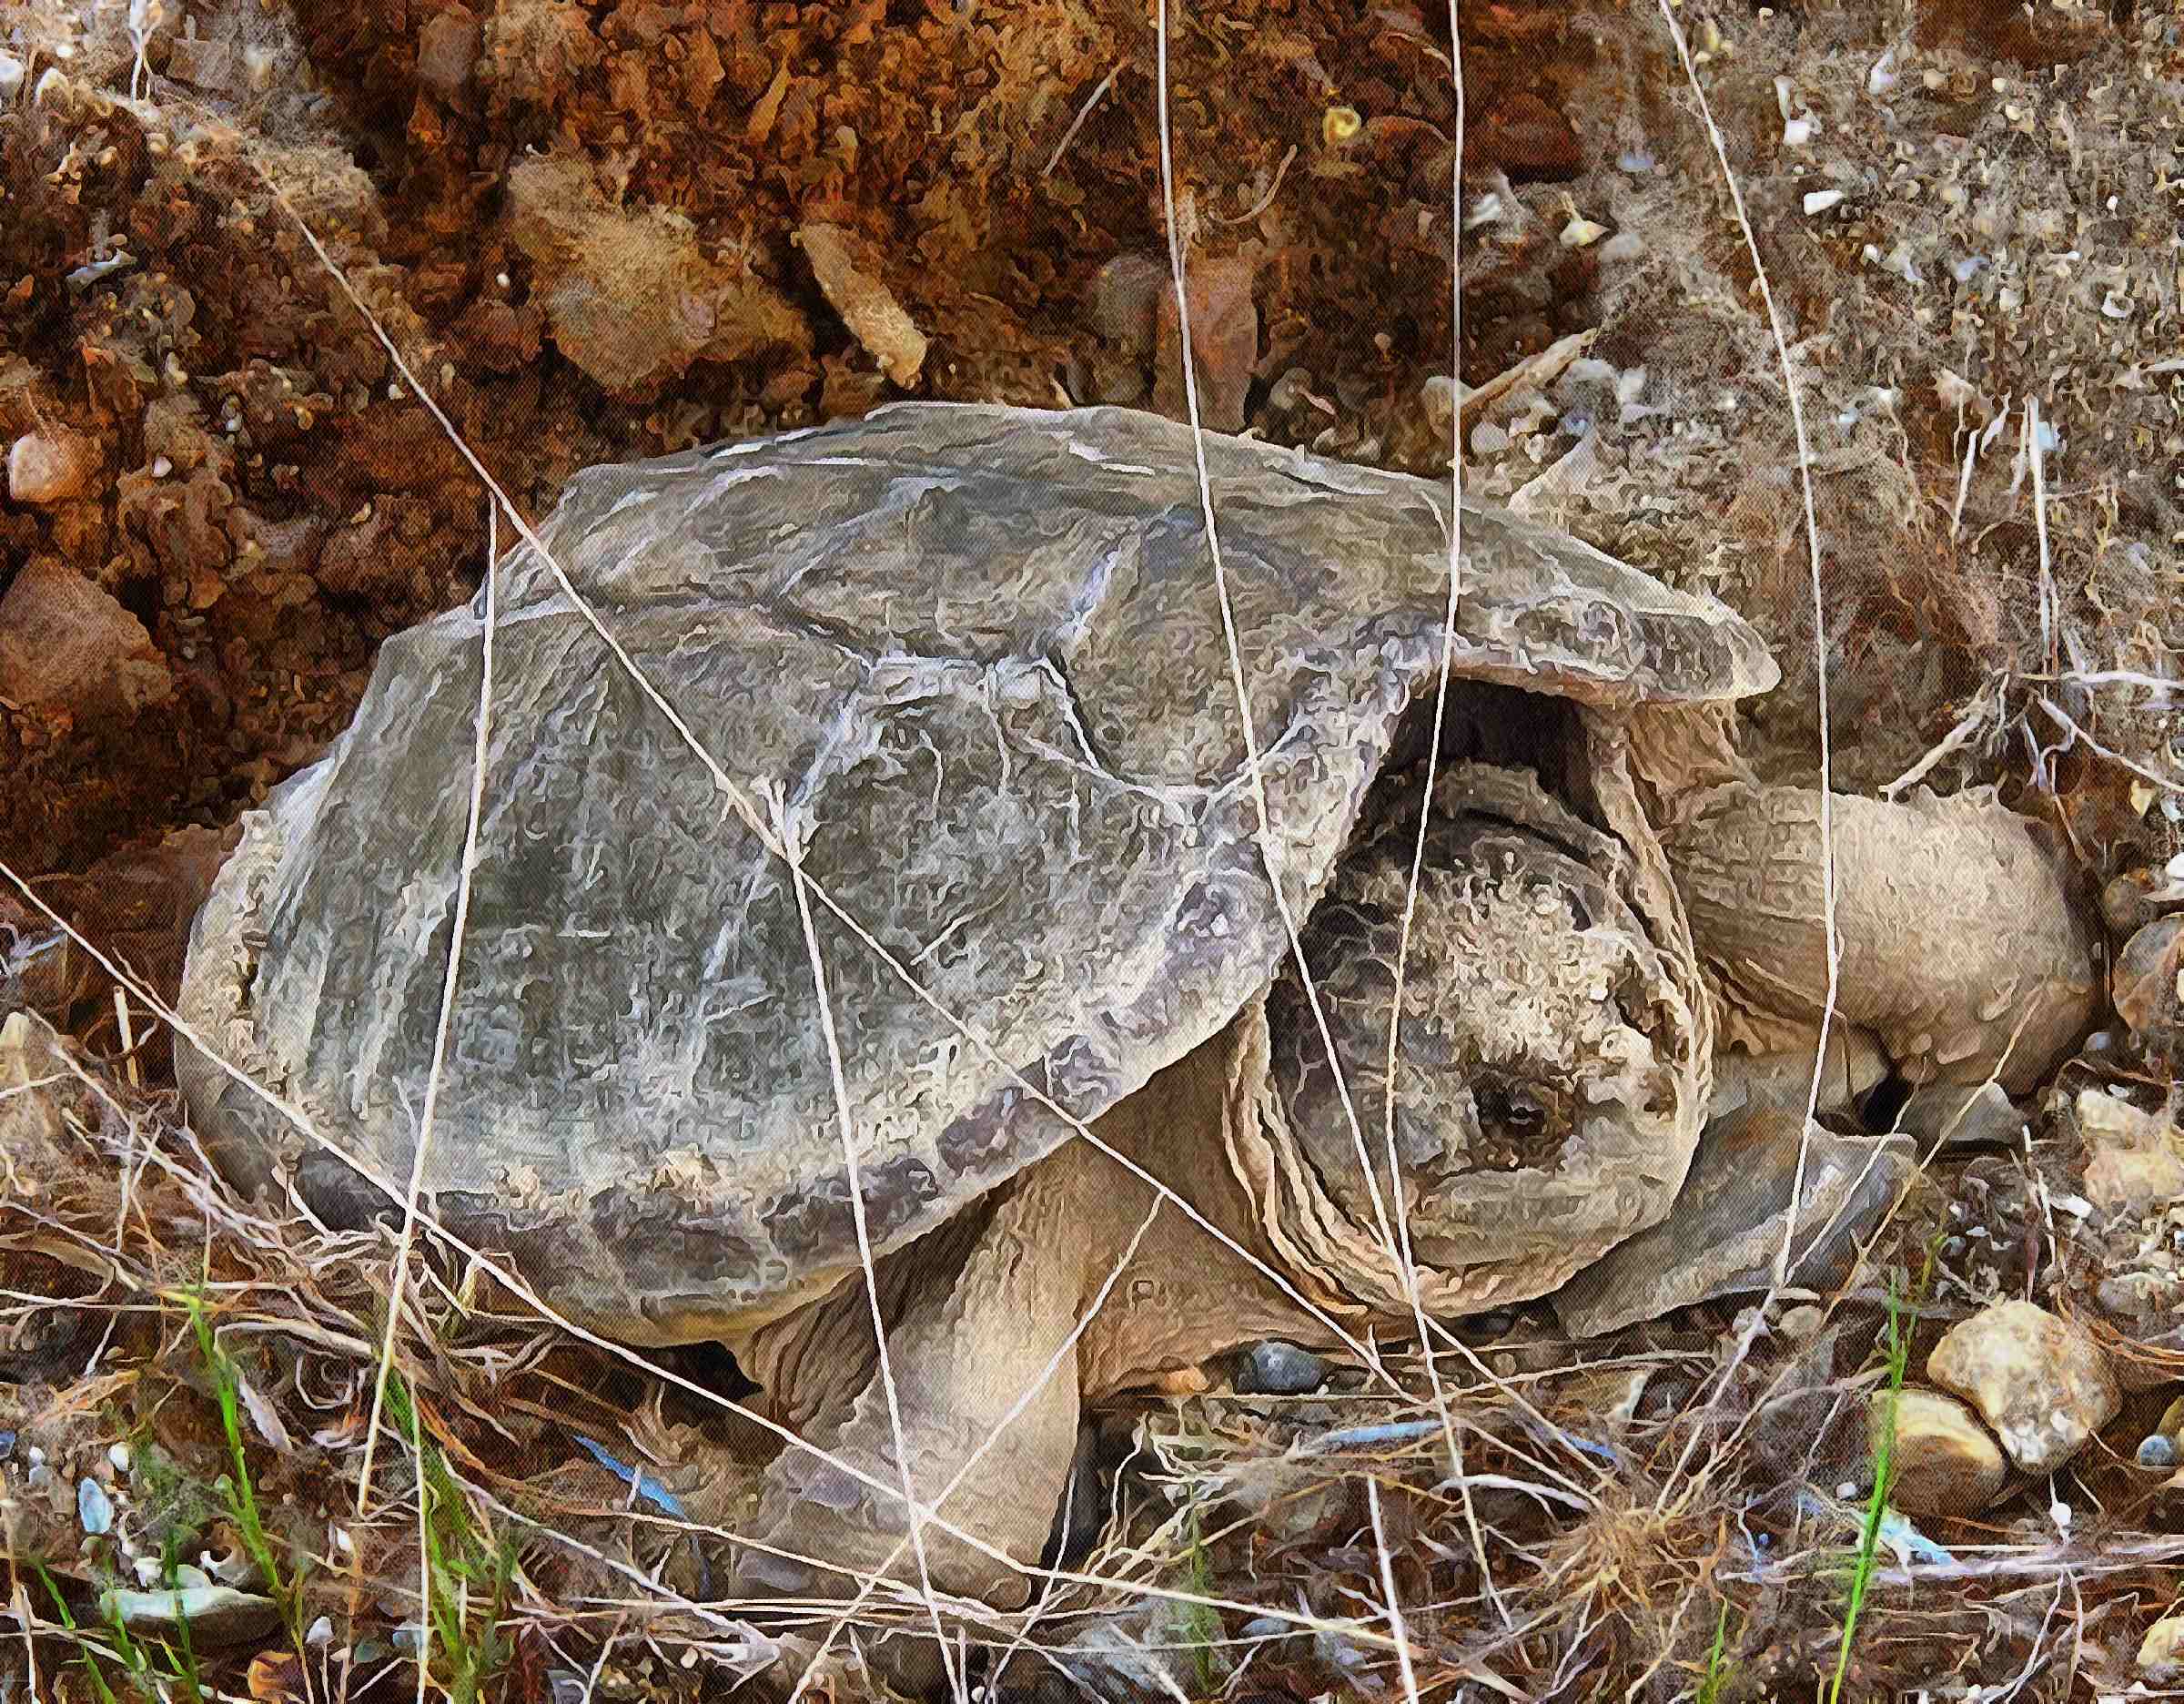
(2039, 1382)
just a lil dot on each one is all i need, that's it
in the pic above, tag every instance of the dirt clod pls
(66, 643)
(867, 306)
(50, 467)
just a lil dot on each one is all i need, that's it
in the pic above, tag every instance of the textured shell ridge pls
(977, 651)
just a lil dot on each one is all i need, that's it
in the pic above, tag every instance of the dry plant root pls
(1965, 950)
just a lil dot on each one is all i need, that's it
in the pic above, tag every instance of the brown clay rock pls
(65, 642)
(447, 51)
(2039, 1382)
(50, 467)
(1123, 302)
(2135, 898)
(1224, 343)
(1946, 1462)
(2147, 983)
(867, 306)
(632, 298)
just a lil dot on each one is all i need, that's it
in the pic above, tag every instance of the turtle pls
(960, 956)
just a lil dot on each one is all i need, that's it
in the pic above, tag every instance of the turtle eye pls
(1519, 1125)
(1509, 1108)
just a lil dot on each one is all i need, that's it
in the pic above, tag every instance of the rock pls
(867, 306)
(1224, 344)
(2039, 1382)
(2147, 983)
(2135, 1182)
(93, 1507)
(1279, 1369)
(2133, 1161)
(2132, 1297)
(630, 297)
(1726, 1228)
(2135, 898)
(1123, 302)
(66, 642)
(1957, 1116)
(2161, 1652)
(35, 1090)
(1801, 1323)
(216, 1614)
(1944, 1461)
(52, 466)
(2157, 1451)
(447, 50)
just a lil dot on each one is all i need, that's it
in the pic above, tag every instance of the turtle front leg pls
(1964, 952)
(974, 1314)
(987, 1309)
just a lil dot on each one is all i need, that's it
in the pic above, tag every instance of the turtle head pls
(1539, 1099)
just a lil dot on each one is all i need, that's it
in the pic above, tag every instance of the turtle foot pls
(974, 1414)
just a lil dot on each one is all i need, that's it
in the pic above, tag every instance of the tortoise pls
(1113, 1045)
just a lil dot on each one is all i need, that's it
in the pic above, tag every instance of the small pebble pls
(1946, 1462)
(1279, 1369)
(119, 1454)
(50, 467)
(2156, 1450)
(93, 1507)
(1802, 1323)
(2161, 1650)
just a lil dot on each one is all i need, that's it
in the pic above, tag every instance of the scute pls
(977, 651)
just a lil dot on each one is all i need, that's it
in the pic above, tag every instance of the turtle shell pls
(978, 655)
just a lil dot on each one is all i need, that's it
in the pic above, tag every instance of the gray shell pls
(978, 649)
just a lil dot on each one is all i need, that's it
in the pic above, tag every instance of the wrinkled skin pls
(1966, 950)
(1545, 1064)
